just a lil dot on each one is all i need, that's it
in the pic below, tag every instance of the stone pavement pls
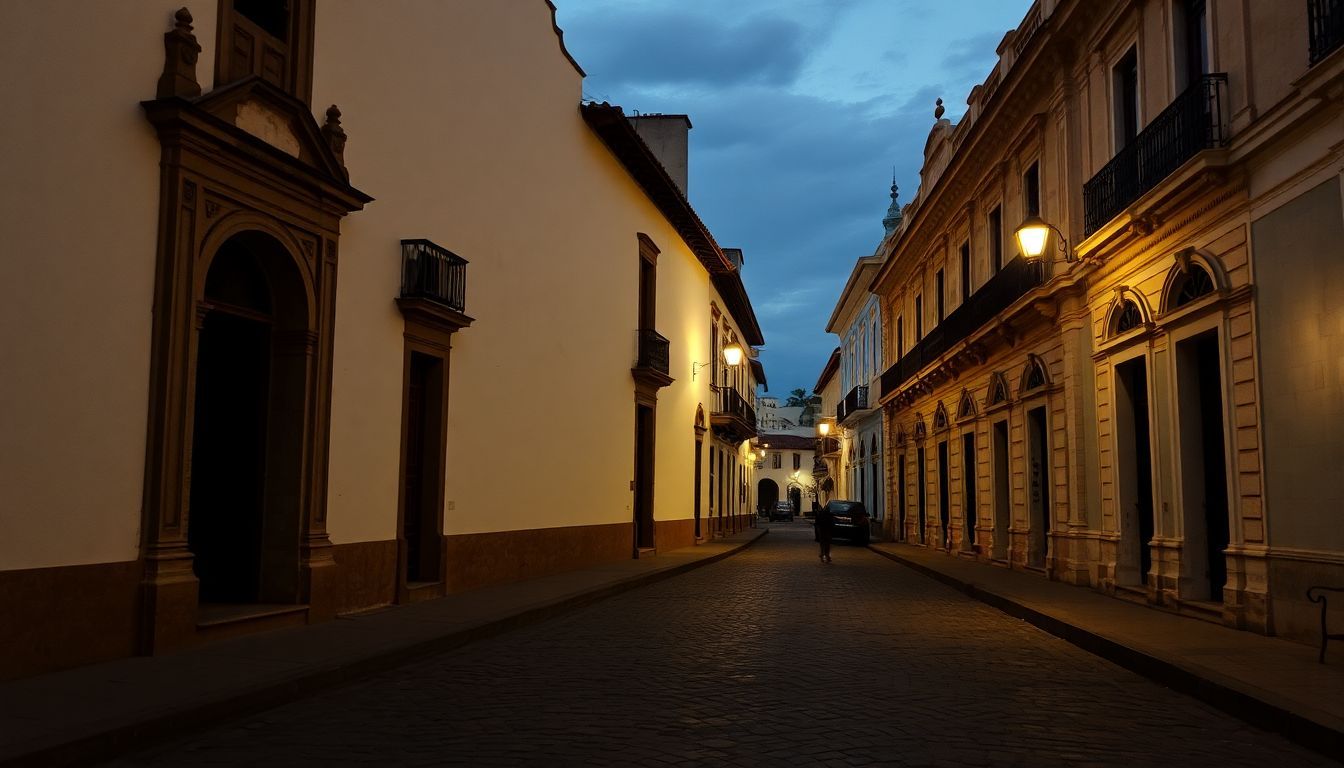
(766, 658)
(1274, 683)
(78, 714)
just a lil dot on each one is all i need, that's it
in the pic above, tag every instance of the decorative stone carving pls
(335, 136)
(179, 64)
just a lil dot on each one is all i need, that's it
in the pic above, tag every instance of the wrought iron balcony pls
(856, 400)
(819, 468)
(1325, 24)
(431, 272)
(733, 417)
(1015, 280)
(653, 351)
(1191, 123)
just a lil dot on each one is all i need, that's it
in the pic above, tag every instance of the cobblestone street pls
(766, 658)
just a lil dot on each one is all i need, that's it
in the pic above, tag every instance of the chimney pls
(666, 135)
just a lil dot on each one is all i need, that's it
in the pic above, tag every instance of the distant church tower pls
(893, 218)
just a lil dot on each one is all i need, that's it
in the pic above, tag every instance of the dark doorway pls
(970, 510)
(423, 470)
(1203, 464)
(767, 494)
(1002, 500)
(900, 497)
(944, 513)
(699, 456)
(1038, 458)
(229, 456)
(796, 499)
(1135, 470)
(922, 493)
(643, 477)
(243, 528)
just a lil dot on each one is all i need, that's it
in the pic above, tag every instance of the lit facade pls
(235, 439)
(1146, 411)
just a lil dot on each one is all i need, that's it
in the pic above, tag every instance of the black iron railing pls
(730, 403)
(819, 468)
(1193, 122)
(653, 351)
(1325, 24)
(1016, 279)
(856, 400)
(431, 272)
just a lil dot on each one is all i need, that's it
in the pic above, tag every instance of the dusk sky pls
(800, 110)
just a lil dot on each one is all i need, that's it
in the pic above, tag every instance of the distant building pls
(785, 474)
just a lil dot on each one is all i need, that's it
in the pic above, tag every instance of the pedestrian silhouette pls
(822, 528)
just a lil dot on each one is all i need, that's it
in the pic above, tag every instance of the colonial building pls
(784, 472)
(828, 466)
(233, 438)
(1150, 404)
(857, 320)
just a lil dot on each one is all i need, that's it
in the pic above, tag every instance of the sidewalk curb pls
(118, 741)
(1234, 701)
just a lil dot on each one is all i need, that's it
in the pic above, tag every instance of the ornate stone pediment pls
(261, 120)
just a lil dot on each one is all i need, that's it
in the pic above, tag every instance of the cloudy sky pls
(801, 109)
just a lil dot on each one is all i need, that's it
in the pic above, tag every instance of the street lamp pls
(1032, 235)
(732, 355)
(823, 428)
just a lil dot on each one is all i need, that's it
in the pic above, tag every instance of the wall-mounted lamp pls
(823, 428)
(732, 355)
(1032, 235)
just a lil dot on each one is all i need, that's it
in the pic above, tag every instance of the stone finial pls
(335, 136)
(938, 110)
(179, 64)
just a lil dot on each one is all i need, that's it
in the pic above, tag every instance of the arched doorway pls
(248, 418)
(796, 499)
(767, 495)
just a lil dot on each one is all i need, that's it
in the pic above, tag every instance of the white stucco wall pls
(78, 215)
(468, 132)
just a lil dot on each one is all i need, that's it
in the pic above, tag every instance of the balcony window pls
(1325, 20)
(940, 280)
(995, 225)
(919, 317)
(1125, 98)
(431, 272)
(1190, 41)
(1190, 124)
(965, 271)
(1031, 190)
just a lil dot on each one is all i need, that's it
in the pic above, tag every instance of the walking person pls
(823, 526)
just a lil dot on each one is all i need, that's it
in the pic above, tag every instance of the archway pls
(247, 426)
(767, 495)
(796, 499)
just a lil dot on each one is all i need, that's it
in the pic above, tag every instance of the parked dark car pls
(851, 520)
(782, 511)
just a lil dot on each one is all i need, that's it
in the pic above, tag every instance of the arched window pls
(940, 418)
(998, 390)
(1033, 376)
(966, 409)
(1190, 286)
(1127, 317)
(874, 449)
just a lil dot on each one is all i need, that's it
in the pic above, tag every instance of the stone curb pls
(1224, 695)
(119, 740)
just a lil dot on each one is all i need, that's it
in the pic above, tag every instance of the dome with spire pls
(893, 218)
